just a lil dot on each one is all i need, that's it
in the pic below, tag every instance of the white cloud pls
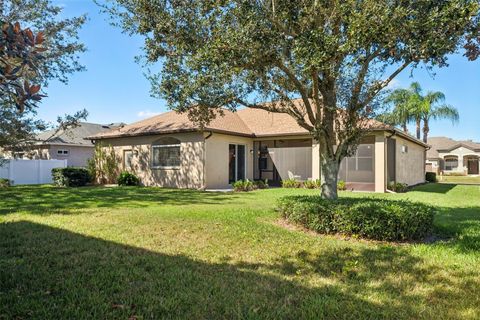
(146, 114)
(394, 84)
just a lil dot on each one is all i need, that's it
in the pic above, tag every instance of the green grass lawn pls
(459, 179)
(141, 253)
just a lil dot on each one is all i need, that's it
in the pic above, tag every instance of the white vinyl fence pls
(29, 171)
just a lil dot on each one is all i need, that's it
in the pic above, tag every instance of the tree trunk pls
(426, 130)
(405, 129)
(328, 176)
(418, 127)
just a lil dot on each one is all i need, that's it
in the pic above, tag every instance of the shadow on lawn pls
(435, 187)
(461, 224)
(52, 273)
(41, 200)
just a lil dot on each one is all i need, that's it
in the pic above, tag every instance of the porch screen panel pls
(292, 162)
(360, 167)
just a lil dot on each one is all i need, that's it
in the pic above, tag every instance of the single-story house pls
(67, 144)
(450, 156)
(168, 150)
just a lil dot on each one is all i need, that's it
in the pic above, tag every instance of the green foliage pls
(248, 185)
(291, 183)
(128, 179)
(243, 185)
(398, 187)
(368, 218)
(48, 49)
(334, 56)
(410, 105)
(312, 184)
(70, 177)
(431, 177)
(4, 183)
(341, 185)
(103, 166)
(261, 184)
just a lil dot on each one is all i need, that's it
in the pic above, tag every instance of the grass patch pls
(459, 179)
(158, 253)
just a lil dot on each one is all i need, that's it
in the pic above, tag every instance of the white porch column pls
(380, 163)
(460, 164)
(315, 160)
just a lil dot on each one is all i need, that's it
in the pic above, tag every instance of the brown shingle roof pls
(172, 121)
(448, 144)
(245, 122)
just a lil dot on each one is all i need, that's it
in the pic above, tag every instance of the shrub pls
(243, 185)
(128, 179)
(312, 184)
(398, 187)
(291, 183)
(431, 177)
(103, 166)
(261, 184)
(341, 185)
(70, 177)
(4, 183)
(368, 218)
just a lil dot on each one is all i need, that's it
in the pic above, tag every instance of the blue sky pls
(113, 89)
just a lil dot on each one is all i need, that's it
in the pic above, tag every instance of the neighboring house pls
(449, 156)
(70, 144)
(170, 151)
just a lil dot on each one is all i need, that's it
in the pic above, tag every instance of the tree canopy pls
(411, 105)
(37, 45)
(335, 56)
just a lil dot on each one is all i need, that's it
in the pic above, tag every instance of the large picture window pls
(166, 153)
(451, 163)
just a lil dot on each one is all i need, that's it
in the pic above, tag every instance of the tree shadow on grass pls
(49, 199)
(435, 188)
(47, 272)
(462, 225)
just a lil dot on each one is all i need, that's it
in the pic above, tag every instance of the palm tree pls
(411, 106)
(400, 115)
(434, 108)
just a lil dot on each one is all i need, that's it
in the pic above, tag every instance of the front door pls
(472, 166)
(236, 162)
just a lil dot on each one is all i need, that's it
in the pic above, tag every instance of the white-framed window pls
(404, 148)
(62, 152)
(127, 159)
(451, 163)
(166, 153)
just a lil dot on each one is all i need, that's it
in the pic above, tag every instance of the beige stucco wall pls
(460, 152)
(190, 174)
(77, 155)
(217, 158)
(410, 166)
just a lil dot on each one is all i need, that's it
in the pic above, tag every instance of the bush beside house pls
(128, 179)
(70, 177)
(367, 218)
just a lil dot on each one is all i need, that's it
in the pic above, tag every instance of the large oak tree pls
(336, 56)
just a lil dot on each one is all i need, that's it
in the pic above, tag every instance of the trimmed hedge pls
(70, 177)
(128, 179)
(431, 177)
(375, 219)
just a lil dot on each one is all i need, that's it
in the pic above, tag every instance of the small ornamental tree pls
(322, 62)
